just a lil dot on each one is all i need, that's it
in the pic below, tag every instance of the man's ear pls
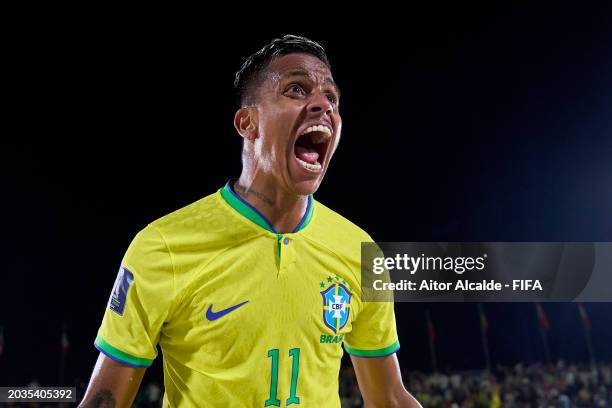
(246, 122)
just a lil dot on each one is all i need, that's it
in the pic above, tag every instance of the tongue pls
(307, 154)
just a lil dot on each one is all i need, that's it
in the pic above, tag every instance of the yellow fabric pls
(209, 255)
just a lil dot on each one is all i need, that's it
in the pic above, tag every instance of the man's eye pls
(332, 97)
(296, 89)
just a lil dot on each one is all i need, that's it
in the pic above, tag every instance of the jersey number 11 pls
(294, 353)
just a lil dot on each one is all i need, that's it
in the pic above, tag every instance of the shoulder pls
(164, 251)
(199, 214)
(167, 235)
(333, 233)
(335, 227)
(209, 219)
(193, 235)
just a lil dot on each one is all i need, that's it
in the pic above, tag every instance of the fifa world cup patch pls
(336, 303)
(124, 280)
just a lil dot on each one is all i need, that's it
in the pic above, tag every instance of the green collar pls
(250, 212)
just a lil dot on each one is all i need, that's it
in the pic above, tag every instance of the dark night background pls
(457, 127)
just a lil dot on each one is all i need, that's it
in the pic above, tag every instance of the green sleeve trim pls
(119, 355)
(373, 353)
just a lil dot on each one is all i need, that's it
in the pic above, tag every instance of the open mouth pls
(311, 147)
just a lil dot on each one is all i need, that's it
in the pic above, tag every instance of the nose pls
(319, 103)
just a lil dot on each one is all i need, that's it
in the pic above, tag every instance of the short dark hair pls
(252, 71)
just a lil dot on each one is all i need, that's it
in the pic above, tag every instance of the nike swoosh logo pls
(210, 315)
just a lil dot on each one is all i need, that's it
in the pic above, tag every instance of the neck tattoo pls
(243, 191)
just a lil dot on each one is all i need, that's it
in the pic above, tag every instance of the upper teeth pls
(319, 128)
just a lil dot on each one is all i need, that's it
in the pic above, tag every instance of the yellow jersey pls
(245, 316)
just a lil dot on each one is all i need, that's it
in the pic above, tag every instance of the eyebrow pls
(304, 73)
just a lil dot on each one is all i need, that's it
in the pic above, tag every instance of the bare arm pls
(112, 384)
(380, 383)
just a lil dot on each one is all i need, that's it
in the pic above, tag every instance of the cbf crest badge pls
(336, 303)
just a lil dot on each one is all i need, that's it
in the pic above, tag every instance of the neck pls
(282, 209)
